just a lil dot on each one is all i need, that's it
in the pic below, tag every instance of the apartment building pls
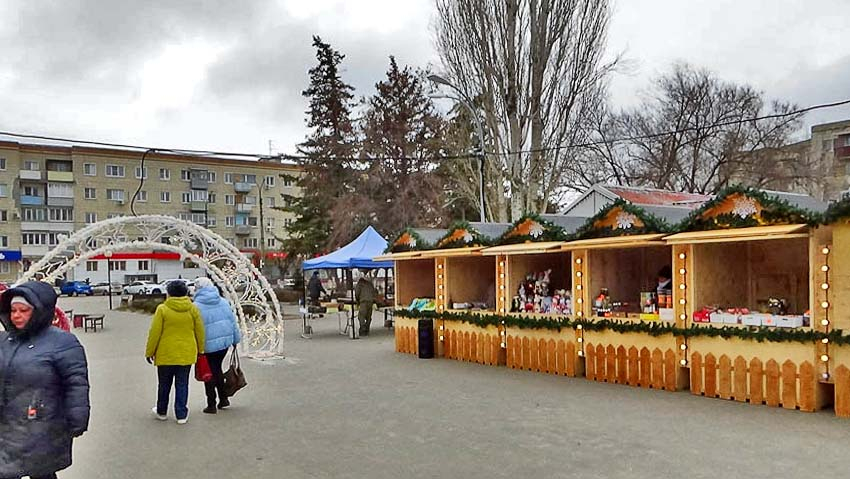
(47, 191)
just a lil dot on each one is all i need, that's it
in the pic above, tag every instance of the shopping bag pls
(203, 372)
(234, 378)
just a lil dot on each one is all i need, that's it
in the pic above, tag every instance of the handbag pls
(234, 378)
(203, 372)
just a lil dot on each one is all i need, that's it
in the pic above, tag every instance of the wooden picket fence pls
(540, 355)
(755, 382)
(841, 377)
(476, 347)
(643, 368)
(406, 340)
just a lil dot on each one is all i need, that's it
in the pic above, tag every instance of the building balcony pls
(242, 230)
(34, 251)
(32, 200)
(30, 175)
(241, 187)
(51, 226)
(244, 207)
(61, 176)
(198, 206)
(60, 201)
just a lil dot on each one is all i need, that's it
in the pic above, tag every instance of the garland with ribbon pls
(461, 235)
(651, 223)
(774, 211)
(758, 334)
(531, 228)
(407, 240)
(838, 211)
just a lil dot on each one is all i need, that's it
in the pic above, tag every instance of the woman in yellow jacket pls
(175, 339)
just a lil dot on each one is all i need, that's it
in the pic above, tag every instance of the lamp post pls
(108, 255)
(464, 100)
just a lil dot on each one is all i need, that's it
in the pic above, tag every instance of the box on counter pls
(754, 319)
(726, 318)
(789, 321)
(768, 320)
(649, 317)
(666, 314)
(701, 316)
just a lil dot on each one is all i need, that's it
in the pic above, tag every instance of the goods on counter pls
(768, 317)
(470, 305)
(422, 304)
(533, 296)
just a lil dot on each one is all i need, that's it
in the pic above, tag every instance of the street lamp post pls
(108, 255)
(464, 100)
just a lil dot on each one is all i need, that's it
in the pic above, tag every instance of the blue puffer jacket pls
(219, 321)
(44, 388)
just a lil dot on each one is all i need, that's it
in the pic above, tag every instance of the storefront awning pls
(524, 248)
(444, 253)
(757, 233)
(634, 241)
(399, 256)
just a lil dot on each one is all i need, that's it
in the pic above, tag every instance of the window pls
(31, 191)
(846, 140)
(117, 265)
(270, 242)
(60, 214)
(34, 214)
(165, 197)
(41, 239)
(199, 219)
(187, 197)
(252, 221)
(91, 266)
(185, 175)
(31, 165)
(109, 216)
(4, 190)
(200, 195)
(228, 221)
(142, 197)
(269, 202)
(60, 190)
(4, 216)
(211, 221)
(287, 222)
(287, 180)
(250, 242)
(250, 200)
(826, 145)
(228, 178)
(144, 265)
(2, 163)
(211, 176)
(90, 169)
(5, 267)
(269, 181)
(230, 200)
(252, 179)
(4, 241)
(91, 218)
(116, 195)
(91, 194)
(140, 173)
(212, 198)
(164, 174)
(184, 216)
(270, 222)
(115, 171)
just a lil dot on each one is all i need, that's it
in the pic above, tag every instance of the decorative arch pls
(251, 296)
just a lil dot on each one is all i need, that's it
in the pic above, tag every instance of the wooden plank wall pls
(654, 369)
(787, 385)
(406, 340)
(480, 347)
(541, 355)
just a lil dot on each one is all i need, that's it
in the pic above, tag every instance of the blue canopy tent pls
(357, 254)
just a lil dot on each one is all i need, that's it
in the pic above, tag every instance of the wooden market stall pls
(746, 262)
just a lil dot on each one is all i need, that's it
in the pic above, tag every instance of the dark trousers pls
(217, 382)
(179, 375)
(364, 316)
(45, 476)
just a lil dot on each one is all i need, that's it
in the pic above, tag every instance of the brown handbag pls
(234, 378)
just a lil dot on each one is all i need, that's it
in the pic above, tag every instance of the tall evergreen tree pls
(330, 144)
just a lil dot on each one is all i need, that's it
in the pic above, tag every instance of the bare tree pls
(535, 70)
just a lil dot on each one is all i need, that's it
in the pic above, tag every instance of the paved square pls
(339, 408)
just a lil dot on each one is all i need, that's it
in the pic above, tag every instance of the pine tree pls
(326, 153)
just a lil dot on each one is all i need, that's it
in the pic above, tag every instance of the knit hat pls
(21, 300)
(203, 283)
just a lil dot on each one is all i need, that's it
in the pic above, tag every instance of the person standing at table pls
(44, 385)
(365, 295)
(315, 289)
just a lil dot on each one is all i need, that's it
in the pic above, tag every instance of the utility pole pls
(262, 229)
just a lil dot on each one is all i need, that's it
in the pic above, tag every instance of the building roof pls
(652, 196)
(569, 223)
(670, 214)
(490, 230)
(800, 200)
(430, 235)
(835, 125)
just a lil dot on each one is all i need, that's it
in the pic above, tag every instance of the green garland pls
(477, 238)
(758, 334)
(420, 243)
(838, 211)
(651, 223)
(551, 232)
(775, 211)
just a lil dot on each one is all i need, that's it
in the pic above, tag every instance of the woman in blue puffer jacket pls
(222, 332)
(44, 386)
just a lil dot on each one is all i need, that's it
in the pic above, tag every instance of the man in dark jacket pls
(315, 289)
(44, 387)
(365, 294)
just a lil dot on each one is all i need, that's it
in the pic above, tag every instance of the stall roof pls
(629, 241)
(672, 215)
(491, 230)
(524, 248)
(357, 254)
(739, 234)
(800, 200)
(398, 256)
(469, 251)
(569, 223)
(430, 235)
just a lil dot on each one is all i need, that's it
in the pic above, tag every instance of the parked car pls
(137, 287)
(160, 288)
(75, 288)
(104, 288)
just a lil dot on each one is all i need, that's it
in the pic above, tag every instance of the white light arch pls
(254, 302)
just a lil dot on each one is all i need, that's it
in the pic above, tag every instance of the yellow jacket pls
(176, 336)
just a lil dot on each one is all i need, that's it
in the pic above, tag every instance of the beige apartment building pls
(48, 191)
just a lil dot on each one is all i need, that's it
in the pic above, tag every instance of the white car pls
(137, 287)
(104, 288)
(160, 288)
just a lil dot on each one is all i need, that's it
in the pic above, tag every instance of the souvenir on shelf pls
(422, 304)
(534, 296)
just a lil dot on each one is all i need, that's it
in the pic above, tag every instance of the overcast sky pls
(226, 75)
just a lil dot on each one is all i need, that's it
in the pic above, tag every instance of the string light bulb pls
(578, 260)
(824, 305)
(682, 271)
(683, 346)
(682, 286)
(682, 301)
(825, 250)
(824, 357)
(683, 362)
(578, 326)
(825, 340)
(683, 317)
(682, 256)
(578, 274)
(581, 353)
(824, 268)
(824, 322)
(824, 286)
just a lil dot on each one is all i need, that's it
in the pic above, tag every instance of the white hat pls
(20, 300)
(203, 282)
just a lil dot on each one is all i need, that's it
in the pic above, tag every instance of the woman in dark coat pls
(44, 386)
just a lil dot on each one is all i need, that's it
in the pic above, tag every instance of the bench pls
(92, 321)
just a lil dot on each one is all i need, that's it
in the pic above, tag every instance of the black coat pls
(44, 388)
(315, 288)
